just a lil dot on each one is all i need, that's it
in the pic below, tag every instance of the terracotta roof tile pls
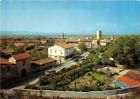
(20, 44)
(21, 56)
(25, 41)
(43, 61)
(131, 78)
(5, 61)
(129, 81)
(133, 75)
(64, 45)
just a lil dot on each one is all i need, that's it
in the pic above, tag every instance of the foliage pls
(125, 50)
(10, 45)
(30, 47)
(97, 57)
(54, 81)
(38, 53)
(99, 76)
(82, 47)
(19, 50)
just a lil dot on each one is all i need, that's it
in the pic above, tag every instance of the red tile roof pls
(5, 61)
(130, 78)
(21, 56)
(20, 44)
(129, 81)
(25, 41)
(133, 75)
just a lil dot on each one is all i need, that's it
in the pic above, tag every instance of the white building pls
(60, 51)
(98, 34)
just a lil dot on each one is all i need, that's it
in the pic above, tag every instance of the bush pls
(30, 47)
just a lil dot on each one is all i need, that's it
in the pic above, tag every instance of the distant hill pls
(28, 33)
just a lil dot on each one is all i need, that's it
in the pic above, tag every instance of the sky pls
(71, 16)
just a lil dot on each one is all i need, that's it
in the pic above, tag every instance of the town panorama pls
(62, 49)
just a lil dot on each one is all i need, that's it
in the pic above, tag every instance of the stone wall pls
(75, 94)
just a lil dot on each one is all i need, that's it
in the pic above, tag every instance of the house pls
(60, 51)
(22, 62)
(104, 42)
(8, 69)
(130, 79)
(24, 43)
(43, 64)
(88, 42)
(21, 44)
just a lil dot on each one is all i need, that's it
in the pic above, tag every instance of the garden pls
(80, 77)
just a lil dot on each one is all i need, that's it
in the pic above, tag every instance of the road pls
(59, 67)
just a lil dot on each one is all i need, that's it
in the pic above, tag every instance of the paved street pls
(66, 64)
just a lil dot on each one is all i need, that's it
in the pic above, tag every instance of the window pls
(24, 62)
(8, 69)
(61, 52)
(55, 51)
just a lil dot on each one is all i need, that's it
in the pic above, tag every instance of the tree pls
(82, 47)
(98, 42)
(29, 47)
(126, 50)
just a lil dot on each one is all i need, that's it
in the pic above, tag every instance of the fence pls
(73, 94)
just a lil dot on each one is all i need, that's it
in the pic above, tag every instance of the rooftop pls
(129, 81)
(5, 61)
(131, 78)
(21, 56)
(43, 61)
(133, 75)
(85, 40)
(25, 41)
(64, 45)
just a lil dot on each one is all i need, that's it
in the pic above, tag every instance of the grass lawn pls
(99, 76)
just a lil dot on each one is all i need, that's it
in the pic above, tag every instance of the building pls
(23, 63)
(130, 79)
(62, 35)
(8, 70)
(18, 65)
(43, 64)
(104, 42)
(98, 34)
(60, 51)
(25, 43)
(87, 42)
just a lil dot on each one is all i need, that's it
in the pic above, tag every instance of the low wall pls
(74, 94)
